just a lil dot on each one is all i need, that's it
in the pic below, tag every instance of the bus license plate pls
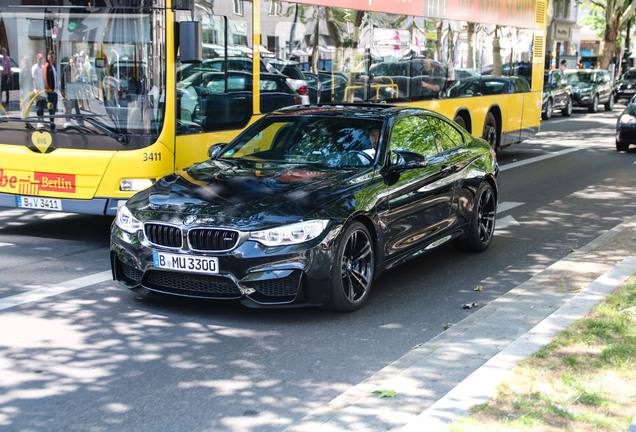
(185, 263)
(40, 203)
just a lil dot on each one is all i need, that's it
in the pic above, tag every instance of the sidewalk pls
(440, 380)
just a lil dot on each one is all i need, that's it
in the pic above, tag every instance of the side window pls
(446, 135)
(523, 86)
(413, 134)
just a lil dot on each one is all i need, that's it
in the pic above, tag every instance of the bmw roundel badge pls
(190, 220)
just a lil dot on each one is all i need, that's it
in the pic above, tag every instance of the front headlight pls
(126, 221)
(627, 119)
(135, 185)
(290, 234)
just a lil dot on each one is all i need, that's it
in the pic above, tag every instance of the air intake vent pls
(538, 47)
(163, 235)
(540, 12)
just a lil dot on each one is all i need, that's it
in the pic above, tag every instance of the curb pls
(481, 384)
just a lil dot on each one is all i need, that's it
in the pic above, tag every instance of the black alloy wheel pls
(482, 225)
(490, 131)
(353, 269)
(567, 111)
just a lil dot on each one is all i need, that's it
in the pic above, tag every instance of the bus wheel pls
(460, 121)
(490, 131)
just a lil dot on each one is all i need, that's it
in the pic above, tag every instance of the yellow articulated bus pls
(104, 99)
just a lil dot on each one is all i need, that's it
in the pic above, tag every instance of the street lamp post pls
(628, 52)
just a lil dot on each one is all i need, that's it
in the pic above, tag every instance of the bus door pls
(520, 89)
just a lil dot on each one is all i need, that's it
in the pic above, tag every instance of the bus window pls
(446, 136)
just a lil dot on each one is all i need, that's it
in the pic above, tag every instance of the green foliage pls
(582, 380)
(596, 18)
(385, 393)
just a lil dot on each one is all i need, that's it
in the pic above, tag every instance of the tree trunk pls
(608, 44)
(334, 34)
(315, 42)
(496, 54)
(615, 21)
(357, 28)
(470, 63)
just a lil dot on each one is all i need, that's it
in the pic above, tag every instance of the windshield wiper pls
(120, 137)
(90, 118)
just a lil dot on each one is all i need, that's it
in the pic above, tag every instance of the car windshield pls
(546, 82)
(322, 141)
(109, 64)
(580, 77)
(629, 75)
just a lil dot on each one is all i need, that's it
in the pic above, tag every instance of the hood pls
(245, 194)
(626, 83)
(581, 84)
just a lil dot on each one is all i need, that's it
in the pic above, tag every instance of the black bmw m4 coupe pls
(307, 206)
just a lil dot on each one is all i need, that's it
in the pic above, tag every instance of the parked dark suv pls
(557, 94)
(625, 87)
(591, 87)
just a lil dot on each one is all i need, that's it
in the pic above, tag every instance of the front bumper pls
(624, 91)
(626, 134)
(95, 206)
(581, 100)
(256, 275)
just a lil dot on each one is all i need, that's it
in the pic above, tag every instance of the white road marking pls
(537, 159)
(508, 205)
(505, 222)
(38, 294)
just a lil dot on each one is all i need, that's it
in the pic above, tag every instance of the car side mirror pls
(215, 150)
(405, 160)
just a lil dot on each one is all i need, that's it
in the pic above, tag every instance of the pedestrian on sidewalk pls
(6, 74)
(50, 81)
(37, 73)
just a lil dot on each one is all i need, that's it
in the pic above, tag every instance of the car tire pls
(482, 223)
(567, 111)
(353, 269)
(609, 106)
(594, 105)
(621, 146)
(547, 114)
(490, 130)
